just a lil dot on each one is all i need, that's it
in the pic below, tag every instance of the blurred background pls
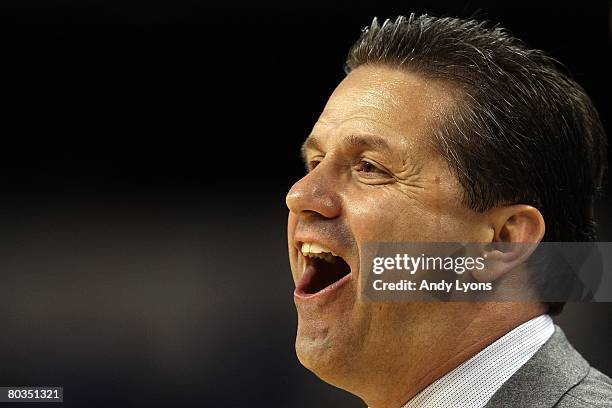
(147, 149)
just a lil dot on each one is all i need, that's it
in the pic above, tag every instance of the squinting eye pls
(369, 168)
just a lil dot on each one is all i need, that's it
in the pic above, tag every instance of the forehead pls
(384, 101)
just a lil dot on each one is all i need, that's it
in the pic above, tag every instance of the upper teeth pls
(314, 250)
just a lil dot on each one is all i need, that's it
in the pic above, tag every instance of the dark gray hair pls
(522, 130)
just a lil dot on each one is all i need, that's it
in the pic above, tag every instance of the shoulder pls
(595, 390)
(556, 376)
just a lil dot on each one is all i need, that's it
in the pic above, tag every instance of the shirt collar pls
(474, 382)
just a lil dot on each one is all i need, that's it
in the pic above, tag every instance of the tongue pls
(326, 273)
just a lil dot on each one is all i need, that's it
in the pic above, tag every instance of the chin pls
(325, 355)
(320, 362)
(313, 347)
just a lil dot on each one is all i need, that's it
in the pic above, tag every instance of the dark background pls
(146, 152)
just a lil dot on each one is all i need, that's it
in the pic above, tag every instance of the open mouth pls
(322, 270)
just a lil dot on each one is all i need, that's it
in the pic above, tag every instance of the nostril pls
(313, 215)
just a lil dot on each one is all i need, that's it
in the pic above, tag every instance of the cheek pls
(384, 221)
(291, 224)
(395, 218)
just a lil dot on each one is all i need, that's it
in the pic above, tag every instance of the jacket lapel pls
(543, 380)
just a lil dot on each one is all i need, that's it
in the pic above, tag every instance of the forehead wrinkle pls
(363, 133)
(399, 95)
(395, 104)
(362, 103)
(357, 123)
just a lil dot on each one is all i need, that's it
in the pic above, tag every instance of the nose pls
(317, 193)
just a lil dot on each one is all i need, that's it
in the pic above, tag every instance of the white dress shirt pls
(475, 381)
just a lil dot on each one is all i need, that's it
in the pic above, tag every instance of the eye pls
(368, 169)
(311, 164)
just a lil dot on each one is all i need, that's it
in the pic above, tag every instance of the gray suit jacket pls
(556, 376)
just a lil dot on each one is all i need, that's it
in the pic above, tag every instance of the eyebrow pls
(311, 142)
(362, 142)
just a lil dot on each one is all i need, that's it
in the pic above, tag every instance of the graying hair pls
(521, 131)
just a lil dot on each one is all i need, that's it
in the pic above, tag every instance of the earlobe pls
(518, 229)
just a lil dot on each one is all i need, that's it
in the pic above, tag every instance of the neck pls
(435, 358)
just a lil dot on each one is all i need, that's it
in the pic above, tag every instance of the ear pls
(517, 231)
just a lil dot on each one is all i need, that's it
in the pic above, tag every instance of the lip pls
(299, 293)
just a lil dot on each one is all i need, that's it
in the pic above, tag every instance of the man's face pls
(373, 177)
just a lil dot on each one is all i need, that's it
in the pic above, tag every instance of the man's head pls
(443, 131)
